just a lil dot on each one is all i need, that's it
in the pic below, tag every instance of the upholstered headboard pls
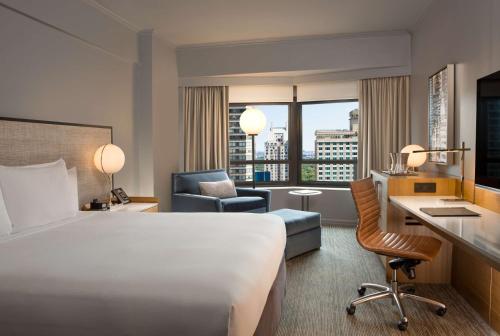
(24, 142)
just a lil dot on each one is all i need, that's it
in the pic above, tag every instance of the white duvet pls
(140, 274)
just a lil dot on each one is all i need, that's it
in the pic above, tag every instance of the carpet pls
(321, 283)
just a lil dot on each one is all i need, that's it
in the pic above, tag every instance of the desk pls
(392, 219)
(476, 250)
(478, 235)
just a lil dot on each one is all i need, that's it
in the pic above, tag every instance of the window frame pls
(295, 160)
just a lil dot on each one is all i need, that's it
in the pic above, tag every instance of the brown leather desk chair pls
(407, 250)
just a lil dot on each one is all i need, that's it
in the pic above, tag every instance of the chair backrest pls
(368, 207)
(190, 182)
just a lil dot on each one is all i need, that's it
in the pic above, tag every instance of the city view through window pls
(329, 134)
(329, 144)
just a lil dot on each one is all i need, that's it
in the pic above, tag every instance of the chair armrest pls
(195, 203)
(265, 194)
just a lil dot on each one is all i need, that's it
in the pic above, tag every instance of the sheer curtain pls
(206, 124)
(384, 121)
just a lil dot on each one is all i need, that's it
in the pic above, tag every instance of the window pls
(333, 123)
(323, 149)
(271, 146)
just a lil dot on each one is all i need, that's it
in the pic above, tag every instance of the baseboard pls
(338, 222)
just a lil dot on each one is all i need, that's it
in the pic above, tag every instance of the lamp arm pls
(443, 150)
(462, 150)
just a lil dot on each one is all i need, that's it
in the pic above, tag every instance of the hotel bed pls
(105, 273)
(67, 272)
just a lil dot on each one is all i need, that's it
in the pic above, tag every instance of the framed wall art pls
(441, 113)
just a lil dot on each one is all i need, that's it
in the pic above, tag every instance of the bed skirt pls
(271, 316)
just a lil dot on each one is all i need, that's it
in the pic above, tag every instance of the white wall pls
(339, 53)
(464, 32)
(293, 78)
(143, 116)
(156, 117)
(166, 133)
(70, 61)
(50, 74)
(337, 90)
(260, 93)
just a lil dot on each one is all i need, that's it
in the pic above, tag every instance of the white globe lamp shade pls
(415, 159)
(252, 121)
(109, 159)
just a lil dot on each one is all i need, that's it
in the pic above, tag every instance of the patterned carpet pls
(320, 285)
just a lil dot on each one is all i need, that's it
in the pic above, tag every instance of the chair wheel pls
(361, 291)
(351, 310)
(402, 325)
(441, 311)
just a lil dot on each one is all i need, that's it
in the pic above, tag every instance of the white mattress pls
(140, 274)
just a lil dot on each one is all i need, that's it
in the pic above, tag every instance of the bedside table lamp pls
(109, 159)
(252, 122)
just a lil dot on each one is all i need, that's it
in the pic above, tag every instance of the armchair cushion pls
(265, 194)
(242, 204)
(220, 189)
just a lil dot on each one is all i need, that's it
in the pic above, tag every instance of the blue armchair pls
(186, 196)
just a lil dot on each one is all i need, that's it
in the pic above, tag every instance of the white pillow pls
(219, 189)
(36, 195)
(73, 183)
(5, 224)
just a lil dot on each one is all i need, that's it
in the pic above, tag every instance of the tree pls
(308, 172)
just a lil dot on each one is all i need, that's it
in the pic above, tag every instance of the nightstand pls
(137, 204)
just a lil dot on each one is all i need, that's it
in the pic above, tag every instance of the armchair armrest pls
(265, 194)
(195, 203)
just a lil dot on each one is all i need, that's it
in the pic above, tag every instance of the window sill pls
(300, 187)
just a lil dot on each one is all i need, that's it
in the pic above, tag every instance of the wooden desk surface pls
(479, 235)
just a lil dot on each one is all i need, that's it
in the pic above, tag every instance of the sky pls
(314, 117)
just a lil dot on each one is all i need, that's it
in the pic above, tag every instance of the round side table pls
(305, 194)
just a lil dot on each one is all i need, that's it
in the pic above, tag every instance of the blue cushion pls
(189, 183)
(242, 204)
(297, 221)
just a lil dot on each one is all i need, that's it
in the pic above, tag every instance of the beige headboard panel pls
(24, 142)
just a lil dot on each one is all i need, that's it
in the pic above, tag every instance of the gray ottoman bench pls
(303, 231)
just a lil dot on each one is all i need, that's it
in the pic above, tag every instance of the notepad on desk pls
(449, 212)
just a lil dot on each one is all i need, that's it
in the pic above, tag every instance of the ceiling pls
(195, 22)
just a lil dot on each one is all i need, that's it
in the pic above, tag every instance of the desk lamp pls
(414, 159)
(462, 165)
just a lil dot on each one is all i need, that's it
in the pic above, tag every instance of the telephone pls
(120, 195)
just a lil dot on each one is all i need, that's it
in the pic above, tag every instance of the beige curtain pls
(206, 124)
(384, 121)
